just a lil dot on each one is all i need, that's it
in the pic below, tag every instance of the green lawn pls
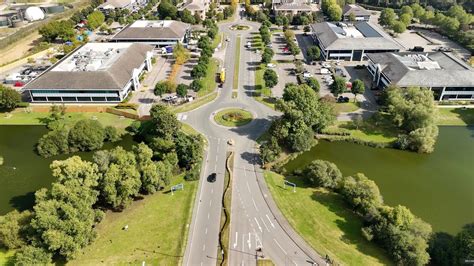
(235, 81)
(376, 128)
(157, 231)
(194, 104)
(217, 40)
(456, 116)
(5, 257)
(346, 107)
(209, 81)
(324, 220)
(233, 117)
(36, 118)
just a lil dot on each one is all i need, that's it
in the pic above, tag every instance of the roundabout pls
(239, 27)
(233, 117)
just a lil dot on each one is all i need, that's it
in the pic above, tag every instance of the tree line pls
(63, 219)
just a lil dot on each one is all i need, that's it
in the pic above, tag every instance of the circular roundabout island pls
(233, 117)
(239, 27)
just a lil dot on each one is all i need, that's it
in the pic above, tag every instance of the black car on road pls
(211, 178)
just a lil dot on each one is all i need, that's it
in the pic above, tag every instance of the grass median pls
(209, 81)
(157, 230)
(224, 233)
(324, 220)
(235, 81)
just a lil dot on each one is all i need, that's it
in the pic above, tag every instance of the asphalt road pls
(253, 224)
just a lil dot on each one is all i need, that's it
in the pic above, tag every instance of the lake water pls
(438, 187)
(23, 171)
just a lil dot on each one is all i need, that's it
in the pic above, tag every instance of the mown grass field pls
(157, 231)
(346, 107)
(324, 220)
(39, 118)
(455, 116)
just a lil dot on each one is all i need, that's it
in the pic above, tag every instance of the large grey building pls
(95, 72)
(340, 41)
(158, 33)
(291, 7)
(448, 77)
(359, 13)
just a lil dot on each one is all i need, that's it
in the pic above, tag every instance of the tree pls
(358, 87)
(313, 53)
(13, 229)
(406, 10)
(189, 150)
(63, 30)
(361, 193)
(112, 134)
(180, 54)
(199, 71)
(53, 143)
(164, 86)
(86, 135)
(165, 124)
(267, 55)
(166, 9)
(313, 84)
(387, 17)
(95, 19)
(270, 77)
(306, 29)
(121, 181)
(300, 136)
(421, 140)
(57, 112)
(270, 150)
(405, 19)
(196, 85)
(418, 11)
(338, 86)
(322, 173)
(150, 177)
(335, 12)
(30, 255)
(445, 249)
(293, 48)
(9, 98)
(187, 17)
(352, 17)
(182, 90)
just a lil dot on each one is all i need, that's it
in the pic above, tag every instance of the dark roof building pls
(155, 32)
(360, 13)
(339, 41)
(95, 72)
(290, 7)
(449, 77)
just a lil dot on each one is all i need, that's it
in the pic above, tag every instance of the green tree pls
(199, 71)
(313, 84)
(95, 19)
(335, 12)
(180, 54)
(189, 150)
(423, 139)
(182, 90)
(13, 229)
(313, 53)
(165, 124)
(55, 29)
(9, 98)
(361, 193)
(267, 55)
(187, 17)
(270, 150)
(399, 27)
(166, 9)
(196, 85)
(164, 86)
(30, 255)
(112, 134)
(270, 77)
(86, 135)
(53, 143)
(352, 17)
(387, 17)
(150, 177)
(322, 173)
(57, 112)
(406, 10)
(405, 19)
(358, 87)
(300, 136)
(418, 11)
(338, 86)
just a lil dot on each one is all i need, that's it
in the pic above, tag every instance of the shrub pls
(86, 135)
(322, 173)
(112, 134)
(53, 143)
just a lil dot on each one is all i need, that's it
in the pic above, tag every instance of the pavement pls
(256, 222)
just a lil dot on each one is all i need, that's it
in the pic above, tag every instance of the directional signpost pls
(177, 187)
(289, 184)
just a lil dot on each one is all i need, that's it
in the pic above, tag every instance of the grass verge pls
(157, 232)
(455, 116)
(262, 93)
(235, 81)
(40, 118)
(223, 252)
(324, 220)
(195, 104)
(233, 117)
(209, 81)
(217, 40)
(346, 107)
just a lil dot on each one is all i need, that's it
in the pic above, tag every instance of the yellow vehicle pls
(222, 75)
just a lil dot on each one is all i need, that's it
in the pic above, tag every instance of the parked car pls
(271, 65)
(342, 99)
(306, 75)
(212, 178)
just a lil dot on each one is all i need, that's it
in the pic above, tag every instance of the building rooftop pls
(153, 29)
(355, 9)
(360, 36)
(435, 69)
(94, 66)
(115, 4)
(290, 5)
(195, 5)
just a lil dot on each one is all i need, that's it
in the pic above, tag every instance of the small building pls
(158, 33)
(199, 7)
(93, 73)
(360, 13)
(110, 5)
(290, 7)
(449, 77)
(340, 41)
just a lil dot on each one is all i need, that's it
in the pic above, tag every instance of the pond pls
(437, 187)
(23, 171)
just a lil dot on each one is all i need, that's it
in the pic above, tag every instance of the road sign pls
(177, 187)
(289, 184)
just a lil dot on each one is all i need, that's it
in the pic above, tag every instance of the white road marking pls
(210, 202)
(243, 247)
(236, 239)
(208, 216)
(248, 186)
(212, 191)
(249, 242)
(270, 221)
(203, 247)
(206, 230)
(264, 224)
(254, 204)
(217, 157)
(278, 244)
(260, 228)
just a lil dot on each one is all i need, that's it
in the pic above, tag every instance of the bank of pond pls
(436, 187)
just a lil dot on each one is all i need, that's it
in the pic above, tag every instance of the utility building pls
(341, 41)
(95, 72)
